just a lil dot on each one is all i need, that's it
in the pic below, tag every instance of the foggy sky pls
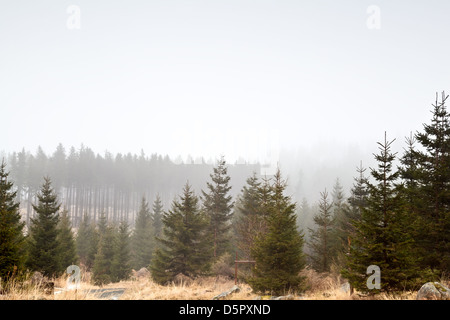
(207, 78)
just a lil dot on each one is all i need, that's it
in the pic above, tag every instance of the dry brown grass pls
(200, 289)
(319, 287)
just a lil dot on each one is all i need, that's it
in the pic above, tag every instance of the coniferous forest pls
(224, 150)
(114, 214)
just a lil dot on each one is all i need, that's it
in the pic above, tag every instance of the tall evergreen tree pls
(11, 229)
(338, 235)
(87, 242)
(351, 213)
(186, 242)
(44, 253)
(218, 205)
(142, 240)
(383, 235)
(248, 216)
(432, 174)
(157, 214)
(102, 224)
(409, 172)
(102, 270)
(321, 239)
(359, 192)
(66, 241)
(121, 266)
(338, 197)
(279, 251)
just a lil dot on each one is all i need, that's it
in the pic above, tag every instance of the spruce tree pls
(338, 198)
(383, 235)
(432, 175)
(157, 213)
(358, 193)
(185, 242)
(142, 240)
(102, 270)
(338, 234)
(279, 251)
(409, 173)
(321, 238)
(12, 240)
(248, 217)
(87, 242)
(218, 205)
(351, 213)
(44, 250)
(66, 241)
(121, 266)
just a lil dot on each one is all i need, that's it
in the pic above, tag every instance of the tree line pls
(91, 183)
(397, 218)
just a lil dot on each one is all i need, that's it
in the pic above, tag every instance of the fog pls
(310, 86)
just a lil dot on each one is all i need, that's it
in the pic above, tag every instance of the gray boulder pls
(345, 288)
(433, 291)
(142, 273)
(223, 295)
(288, 297)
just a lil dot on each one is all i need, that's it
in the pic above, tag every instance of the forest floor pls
(321, 287)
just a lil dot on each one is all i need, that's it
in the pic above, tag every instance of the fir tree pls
(87, 242)
(44, 253)
(11, 229)
(102, 272)
(278, 252)
(248, 216)
(351, 213)
(102, 224)
(338, 198)
(383, 236)
(186, 242)
(157, 213)
(338, 234)
(66, 241)
(143, 237)
(321, 238)
(432, 175)
(409, 172)
(358, 193)
(121, 267)
(218, 206)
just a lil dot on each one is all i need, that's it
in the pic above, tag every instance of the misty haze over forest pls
(311, 87)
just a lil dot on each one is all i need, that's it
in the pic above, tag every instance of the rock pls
(345, 288)
(433, 291)
(223, 295)
(288, 297)
(142, 273)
